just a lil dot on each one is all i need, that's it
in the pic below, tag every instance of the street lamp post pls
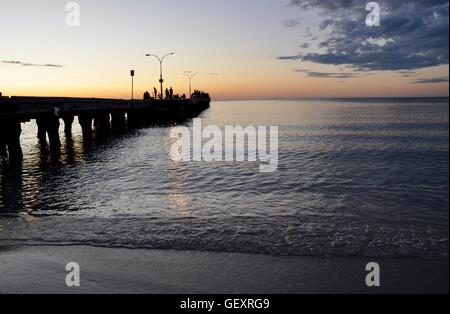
(132, 84)
(190, 75)
(161, 80)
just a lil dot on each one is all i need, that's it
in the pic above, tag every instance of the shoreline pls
(41, 270)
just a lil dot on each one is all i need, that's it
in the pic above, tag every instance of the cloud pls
(413, 35)
(12, 62)
(27, 64)
(203, 73)
(338, 75)
(291, 22)
(407, 73)
(432, 80)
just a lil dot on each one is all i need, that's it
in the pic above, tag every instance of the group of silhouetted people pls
(155, 94)
(168, 94)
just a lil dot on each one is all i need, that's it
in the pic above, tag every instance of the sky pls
(241, 49)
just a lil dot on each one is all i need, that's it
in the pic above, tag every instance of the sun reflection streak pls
(179, 173)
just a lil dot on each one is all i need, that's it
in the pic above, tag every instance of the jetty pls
(92, 113)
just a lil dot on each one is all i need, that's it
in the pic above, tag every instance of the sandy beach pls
(41, 270)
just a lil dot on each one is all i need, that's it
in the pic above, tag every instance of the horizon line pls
(268, 98)
(331, 98)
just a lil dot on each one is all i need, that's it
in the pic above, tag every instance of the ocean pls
(364, 177)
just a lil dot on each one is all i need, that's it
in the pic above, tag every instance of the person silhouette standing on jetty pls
(171, 93)
(147, 96)
(155, 92)
(167, 94)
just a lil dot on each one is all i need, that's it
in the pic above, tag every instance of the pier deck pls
(104, 114)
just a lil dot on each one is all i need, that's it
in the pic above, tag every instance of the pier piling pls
(68, 122)
(42, 131)
(102, 121)
(85, 120)
(10, 130)
(48, 124)
(118, 121)
(3, 149)
(53, 132)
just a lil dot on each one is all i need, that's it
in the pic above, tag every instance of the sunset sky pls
(242, 49)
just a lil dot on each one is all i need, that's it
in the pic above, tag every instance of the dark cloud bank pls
(413, 35)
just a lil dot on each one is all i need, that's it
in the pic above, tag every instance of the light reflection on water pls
(353, 179)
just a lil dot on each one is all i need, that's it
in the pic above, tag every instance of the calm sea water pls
(355, 178)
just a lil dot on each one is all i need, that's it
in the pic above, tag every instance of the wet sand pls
(104, 270)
